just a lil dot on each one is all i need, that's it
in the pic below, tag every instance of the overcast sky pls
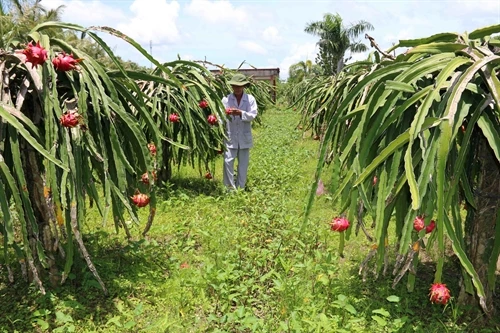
(264, 33)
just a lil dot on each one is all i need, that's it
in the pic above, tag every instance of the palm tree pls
(301, 71)
(18, 17)
(6, 23)
(336, 39)
(92, 49)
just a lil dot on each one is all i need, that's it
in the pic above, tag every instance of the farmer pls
(241, 109)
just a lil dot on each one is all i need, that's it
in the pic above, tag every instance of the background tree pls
(18, 17)
(303, 70)
(336, 39)
(96, 52)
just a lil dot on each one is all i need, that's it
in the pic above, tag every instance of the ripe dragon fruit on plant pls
(174, 117)
(152, 148)
(339, 224)
(203, 104)
(70, 119)
(140, 200)
(439, 294)
(35, 54)
(145, 177)
(430, 227)
(65, 62)
(418, 223)
(212, 119)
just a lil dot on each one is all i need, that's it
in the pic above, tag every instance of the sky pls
(264, 33)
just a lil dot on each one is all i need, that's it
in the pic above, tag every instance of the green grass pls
(217, 262)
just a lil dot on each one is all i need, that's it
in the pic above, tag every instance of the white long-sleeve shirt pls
(239, 128)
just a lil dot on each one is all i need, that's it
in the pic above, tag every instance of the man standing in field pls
(242, 110)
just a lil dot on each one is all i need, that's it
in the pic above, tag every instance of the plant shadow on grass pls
(126, 269)
(191, 186)
(421, 315)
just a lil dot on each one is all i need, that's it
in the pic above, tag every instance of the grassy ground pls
(243, 262)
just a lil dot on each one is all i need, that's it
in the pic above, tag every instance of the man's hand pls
(233, 111)
(236, 112)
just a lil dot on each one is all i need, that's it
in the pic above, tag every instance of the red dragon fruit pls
(152, 148)
(339, 224)
(35, 54)
(70, 119)
(140, 200)
(65, 62)
(203, 104)
(439, 294)
(418, 223)
(174, 117)
(145, 177)
(430, 227)
(212, 119)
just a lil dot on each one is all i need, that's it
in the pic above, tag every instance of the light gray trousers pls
(243, 156)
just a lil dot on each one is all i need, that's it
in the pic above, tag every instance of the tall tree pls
(302, 70)
(18, 17)
(336, 39)
(96, 52)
